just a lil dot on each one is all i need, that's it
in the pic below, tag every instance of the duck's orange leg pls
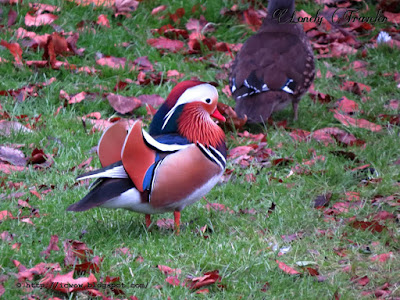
(177, 219)
(148, 220)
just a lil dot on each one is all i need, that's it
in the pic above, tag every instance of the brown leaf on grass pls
(40, 269)
(123, 104)
(322, 200)
(111, 61)
(66, 283)
(12, 155)
(143, 64)
(7, 128)
(360, 123)
(285, 268)
(176, 17)
(124, 7)
(153, 100)
(199, 25)
(38, 156)
(300, 135)
(5, 214)
(173, 280)
(391, 119)
(75, 249)
(347, 106)
(361, 281)
(392, 17)
(218, 207)
(382, 257)
(393, 104)
(168, 271)
(103, 21)
(163, 43)
(158, 9)
(355, 87)
(12, 17)
(231, 117)
(52, 246)
(39, 8)
(207, 279)
(39, 20)
(92, 265)
(15, 50)
(372, 226)
(325, 135)
(56, 45)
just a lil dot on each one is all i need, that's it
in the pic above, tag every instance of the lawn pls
(303, 212)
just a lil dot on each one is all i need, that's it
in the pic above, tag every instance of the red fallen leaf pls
(347, 106)
(231, 116)
(10, 127)
(2, 290)
(253, 18)
(174, 73)
(105, 3)
(300, 135)
(340, 50)
(124, 7)
(391, 119)
(292, 237)
(307, 26)
(199, 25)
(241, 150)
(383, 215)
(15, 50)
(250, 177)
(361, 281)
(5, 214)
(165, 224)
(168, 271)
(355, 87)
(166, 44)
(39, 269)
(392, 17)
(92, 265)
(372, 226)
(111, 61)
(342, 252)
(103, 21)
(218, 207)
(27, 220)
(6, 236)
(123, 104)
(75, 249)
(322, 200)
(153, 100)
(52, 246)
(325, 135)
(176, 17)
(12, 17)
(393, 104)
(39, 8)
(12, 155)
(207, 279)
(312, 271)
(143, 64)
(40, 20)
(382, 257)
(59, 282)
(9, 169)
(37, 157)
(261, 137)
(173, 280)
(158, 9)
(285, 268)
(203, 291)
(360, 123)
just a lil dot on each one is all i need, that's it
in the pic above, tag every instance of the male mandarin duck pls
(274, 67)
(175, 164)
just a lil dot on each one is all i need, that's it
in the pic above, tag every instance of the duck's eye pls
(208, 100)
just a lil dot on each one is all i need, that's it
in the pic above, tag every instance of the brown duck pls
(274, 67)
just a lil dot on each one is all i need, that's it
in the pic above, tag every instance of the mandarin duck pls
(274, 67)
(179, 161)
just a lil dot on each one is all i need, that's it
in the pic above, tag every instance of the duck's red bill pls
(217, 115)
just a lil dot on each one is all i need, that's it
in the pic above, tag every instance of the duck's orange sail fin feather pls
(111, 143)
(137, 157)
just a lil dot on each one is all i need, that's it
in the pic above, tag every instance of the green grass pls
(242, 247)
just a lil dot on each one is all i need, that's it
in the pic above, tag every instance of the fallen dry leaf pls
(65, 283)
(163, 43)
(15, 50)
(123, 104)
(361, 123)
(285, 268)
(40, 20)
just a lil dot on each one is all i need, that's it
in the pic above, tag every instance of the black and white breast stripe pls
(213, 154)
(152, 143)
(252, 85)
